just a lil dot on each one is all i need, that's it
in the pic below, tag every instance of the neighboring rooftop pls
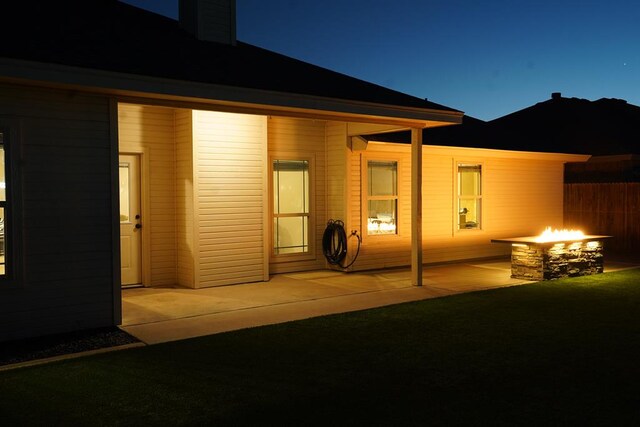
(559, 125)
(617, 168)
(606, 126)
(117, 37)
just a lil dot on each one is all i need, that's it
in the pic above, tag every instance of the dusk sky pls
(487, 59)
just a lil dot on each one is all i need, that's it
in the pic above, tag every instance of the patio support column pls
(416, 207)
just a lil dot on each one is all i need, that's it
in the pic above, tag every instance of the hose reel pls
(334, 243)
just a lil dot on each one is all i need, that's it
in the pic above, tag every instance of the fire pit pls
(555, 254)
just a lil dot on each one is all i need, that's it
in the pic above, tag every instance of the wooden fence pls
(605, 208)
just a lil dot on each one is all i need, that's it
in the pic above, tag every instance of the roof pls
(117, 37)
(558, 125)
(471, 133)
(617, 168)
(606, 126)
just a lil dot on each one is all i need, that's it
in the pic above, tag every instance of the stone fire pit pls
(532, 259)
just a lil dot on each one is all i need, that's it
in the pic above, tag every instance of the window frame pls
(13, 211)
(365, 198)
(311, 216)
(457, 196)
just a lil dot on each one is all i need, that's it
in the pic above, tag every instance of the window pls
(10, 210)
(125, 215)
(3, 208)
(291, 206)
(469, 207)
(382, 197)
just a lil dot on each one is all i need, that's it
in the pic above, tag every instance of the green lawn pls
(563, 352)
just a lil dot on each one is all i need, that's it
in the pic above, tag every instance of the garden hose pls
(334, 243)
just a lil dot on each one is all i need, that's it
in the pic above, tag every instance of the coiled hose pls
(334, 243)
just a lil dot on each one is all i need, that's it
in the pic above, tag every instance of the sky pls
(486, 58)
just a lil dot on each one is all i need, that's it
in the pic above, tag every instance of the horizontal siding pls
(151, 130)
(66, 222)
(524, 196)
(304, 138)
(230, 163)
(185, 232)
(336, 170)
(382, 251)
(521, 196)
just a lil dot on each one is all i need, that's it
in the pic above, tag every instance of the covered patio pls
(160, 314)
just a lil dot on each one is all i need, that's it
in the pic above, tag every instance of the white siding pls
(230, 161)
(336, 170)
(151, 131)
(206, 183)
(67, 243)
(186, 241)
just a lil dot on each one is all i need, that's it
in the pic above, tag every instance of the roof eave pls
(224, 97)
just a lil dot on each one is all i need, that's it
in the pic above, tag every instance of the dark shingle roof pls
(571, 125)
(558, 125)
(113, 36)
(471, 133)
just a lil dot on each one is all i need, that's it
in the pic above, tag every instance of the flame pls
(549, 235)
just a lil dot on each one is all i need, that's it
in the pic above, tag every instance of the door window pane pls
(3, 182)
(2, 242)
(3, 208)
(124, 193)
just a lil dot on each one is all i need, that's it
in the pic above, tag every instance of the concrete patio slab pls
(155, 315)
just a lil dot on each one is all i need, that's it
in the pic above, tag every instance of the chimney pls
(556, 95)
(209, 20)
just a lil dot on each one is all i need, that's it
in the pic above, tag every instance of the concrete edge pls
(69, 356)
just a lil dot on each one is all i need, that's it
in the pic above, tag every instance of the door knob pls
(138, 225)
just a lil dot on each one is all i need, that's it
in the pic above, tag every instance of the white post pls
(416, 207)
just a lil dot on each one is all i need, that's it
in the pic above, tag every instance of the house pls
(600, 195)
(142, 150)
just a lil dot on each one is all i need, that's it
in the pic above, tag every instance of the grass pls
(561, 352)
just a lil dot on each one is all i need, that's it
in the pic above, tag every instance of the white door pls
(130, 220)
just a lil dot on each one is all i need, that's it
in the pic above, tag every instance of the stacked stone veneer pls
(544, 261)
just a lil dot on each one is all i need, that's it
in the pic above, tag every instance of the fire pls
(549, 235)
